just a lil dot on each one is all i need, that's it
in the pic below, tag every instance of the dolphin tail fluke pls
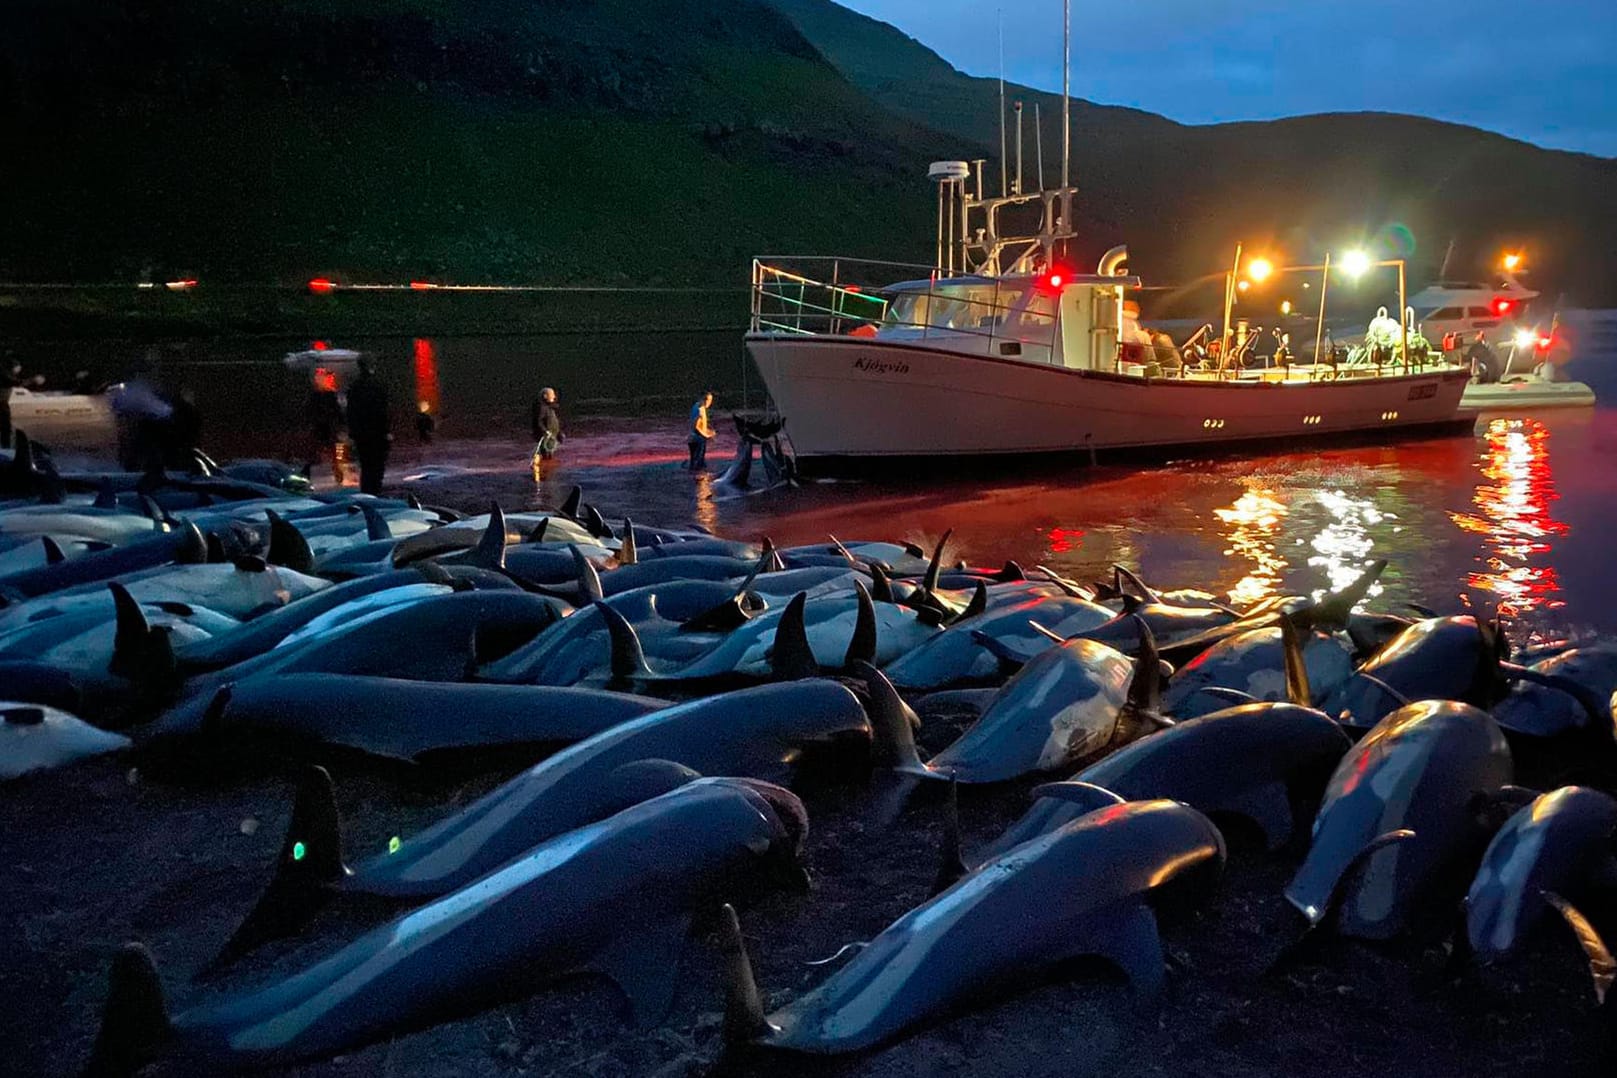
(1298, 690)
(951, 863)
(628, 551)
(862, 646)
(791, 659)
(744, 1018)
(1332, 611)
(287, 546)
(1602, 966)
(628, 657)
(892, 725)
(135, 1019)
(489, 553)
(589, 580)
(307, 872)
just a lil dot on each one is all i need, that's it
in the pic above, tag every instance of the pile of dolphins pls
(668, 687)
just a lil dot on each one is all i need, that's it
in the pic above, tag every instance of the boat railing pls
(787, 301)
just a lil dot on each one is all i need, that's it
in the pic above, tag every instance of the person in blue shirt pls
(700, 432)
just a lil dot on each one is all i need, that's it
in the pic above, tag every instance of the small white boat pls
(321, 356)
(61, 418)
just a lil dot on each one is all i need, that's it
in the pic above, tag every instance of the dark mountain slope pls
(1181, 196)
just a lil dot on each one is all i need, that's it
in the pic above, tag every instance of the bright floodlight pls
(1285, 307)
(1512, 261)
(1259, 269)
(1355, 263)
(1244, 285)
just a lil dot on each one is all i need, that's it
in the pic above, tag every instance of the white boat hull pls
(860, 397)
(1528, 393)
(62, 418)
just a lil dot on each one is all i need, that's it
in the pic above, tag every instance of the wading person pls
(370, 426)
(425, 424)
(701, 432)
(325, 424)
(546, 430)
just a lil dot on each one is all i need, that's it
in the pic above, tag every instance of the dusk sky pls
(1544, 73)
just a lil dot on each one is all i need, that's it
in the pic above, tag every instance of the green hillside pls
(602, 142)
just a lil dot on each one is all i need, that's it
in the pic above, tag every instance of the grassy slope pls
(1181, 196)
(562, 142)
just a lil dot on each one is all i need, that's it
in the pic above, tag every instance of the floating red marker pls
(322, 286)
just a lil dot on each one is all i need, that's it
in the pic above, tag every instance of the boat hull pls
(851, 398)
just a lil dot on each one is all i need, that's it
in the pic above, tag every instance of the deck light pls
(1355, 264)
(1054, 281)
(1244, 285)
(1525, 338)
(1259, 269)
(1512, 262)
(1285, 306)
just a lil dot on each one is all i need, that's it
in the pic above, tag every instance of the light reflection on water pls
(1254, 525)
(1514, 519)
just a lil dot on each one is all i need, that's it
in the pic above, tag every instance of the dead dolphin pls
(410, 720)
(579, 902)
(1244, 761)
(1561, 844)
(1253, 663)
(35, 738)
(184, 546)
(956, 654)
(1423, 769)
(1083, 889)
(1072, 704)
(1454, 658)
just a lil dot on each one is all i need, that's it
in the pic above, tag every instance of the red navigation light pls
(1055, 280)
(1502, 306)
(322, 286)
(1544, 343)
(422, 286)
(320, 346)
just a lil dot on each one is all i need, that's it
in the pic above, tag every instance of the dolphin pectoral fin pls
(791, 658)
(645, 966)
(1009, 661)
(744, 1018)
(1602, 967)
(862, 645)
(135, 1020)
(1086, 795)
(1297, 689)
(1132, 944)
(843, 550)
(1267, 806)
(307, 872)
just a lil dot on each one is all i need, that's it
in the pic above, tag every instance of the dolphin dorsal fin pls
(135, 1019)
(1145, 687)
(978, 604)
(130, 633)
(53, 551)
(1298, 690)
(791, 658)
(589, 581)
(376, 528)
(287, 546)
(1125, 576)
(862, 645)
(574, 502)
(1332, 611)
(628, 658)
(892, 724)
(881, 587)
(934, 567)
(489, 553)
(628, 551)
(744, 1017)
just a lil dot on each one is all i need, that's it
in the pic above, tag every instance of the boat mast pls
(1003, 182)
(1066, 117)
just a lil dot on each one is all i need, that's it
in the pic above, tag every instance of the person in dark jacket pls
(184, 434)
(370, 426)
(325, 424)
(546, 429)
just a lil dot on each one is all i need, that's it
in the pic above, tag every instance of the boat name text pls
(881, 366)
(1423, 392)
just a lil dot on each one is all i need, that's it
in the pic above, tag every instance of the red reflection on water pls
(1064, 539)
(426, 374)
(1513, 517)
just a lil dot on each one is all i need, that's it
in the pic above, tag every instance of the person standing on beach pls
(701, 432)
(325, 424)
(546, 430)
(370, 426)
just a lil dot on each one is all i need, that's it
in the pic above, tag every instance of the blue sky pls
(1543, 72)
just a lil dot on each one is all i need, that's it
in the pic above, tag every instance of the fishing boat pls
(61, 418)
(1000, 348)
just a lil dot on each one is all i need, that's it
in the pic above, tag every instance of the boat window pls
(1039, 311)
(959, 307)
(1478, 312)
(1445, 314)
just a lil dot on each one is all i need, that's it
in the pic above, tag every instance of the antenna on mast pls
(1038, 141)
(1003, 185)
(1066, 113)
